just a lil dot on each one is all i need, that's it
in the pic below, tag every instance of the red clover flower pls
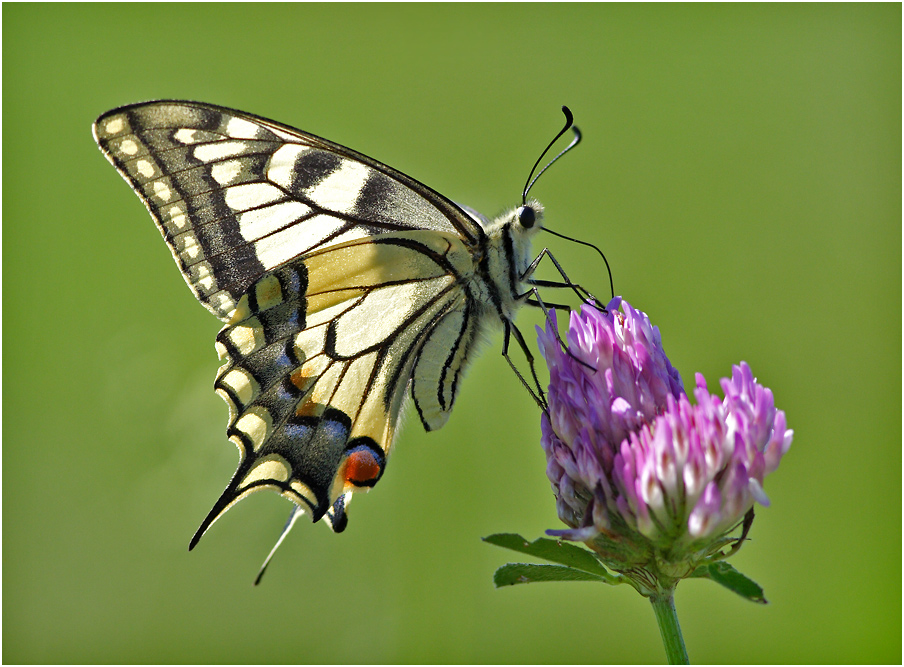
(650, 482)
(657, 487)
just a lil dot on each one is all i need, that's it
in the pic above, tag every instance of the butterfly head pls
(519, 225)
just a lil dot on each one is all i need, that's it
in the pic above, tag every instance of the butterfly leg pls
(538, 302)
(546, 307)
(582, 293)
(589, 245)
(539, 396)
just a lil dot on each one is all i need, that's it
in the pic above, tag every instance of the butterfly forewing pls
(235, 195)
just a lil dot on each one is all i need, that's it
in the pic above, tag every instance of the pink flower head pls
(639, 473)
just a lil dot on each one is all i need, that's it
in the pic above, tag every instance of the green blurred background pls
(741, 168)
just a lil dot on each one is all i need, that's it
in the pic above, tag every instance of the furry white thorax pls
(505, 268)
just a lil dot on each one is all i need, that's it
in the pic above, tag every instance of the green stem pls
(667, 618)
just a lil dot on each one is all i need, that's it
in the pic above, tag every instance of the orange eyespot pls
(362, 467)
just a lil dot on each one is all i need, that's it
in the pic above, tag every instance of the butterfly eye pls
(526, 216)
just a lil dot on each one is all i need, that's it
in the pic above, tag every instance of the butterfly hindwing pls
(440, 363)
(318, 357)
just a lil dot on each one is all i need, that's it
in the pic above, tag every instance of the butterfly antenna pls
(568, 238)
(569, 123)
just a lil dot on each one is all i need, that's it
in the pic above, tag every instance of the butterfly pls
(345, 286)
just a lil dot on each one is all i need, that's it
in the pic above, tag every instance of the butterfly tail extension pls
(335, 517)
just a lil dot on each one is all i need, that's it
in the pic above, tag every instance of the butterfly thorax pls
(507, 255)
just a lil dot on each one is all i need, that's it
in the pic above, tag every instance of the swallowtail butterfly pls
(344, 284)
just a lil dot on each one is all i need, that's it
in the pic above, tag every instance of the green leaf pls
(724, 574)
(525, 573)
(553, 551)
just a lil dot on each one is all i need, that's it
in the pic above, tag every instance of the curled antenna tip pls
(569, 117)
(569, 123)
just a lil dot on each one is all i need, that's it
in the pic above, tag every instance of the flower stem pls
(667, 618)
